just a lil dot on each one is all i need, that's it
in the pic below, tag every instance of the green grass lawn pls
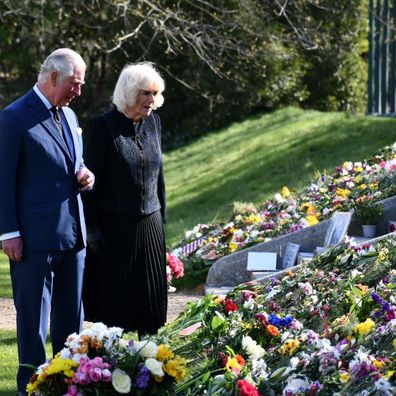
(251, 161)
(247, 162)
(8, 363)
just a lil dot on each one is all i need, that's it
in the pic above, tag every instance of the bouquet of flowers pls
(101, 361)
(174, 269)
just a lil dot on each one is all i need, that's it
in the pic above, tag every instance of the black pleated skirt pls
(126, 286)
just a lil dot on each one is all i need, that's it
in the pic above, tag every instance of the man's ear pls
(54, 78)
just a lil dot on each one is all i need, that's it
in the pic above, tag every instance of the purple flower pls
(106, 375)
(143, 377)
(95, 374)
(73, 391)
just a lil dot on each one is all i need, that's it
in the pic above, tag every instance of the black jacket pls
(127, 164)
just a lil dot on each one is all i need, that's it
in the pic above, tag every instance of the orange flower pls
(272, 330)
(240, 360)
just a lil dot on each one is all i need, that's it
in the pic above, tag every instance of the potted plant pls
(369, 213)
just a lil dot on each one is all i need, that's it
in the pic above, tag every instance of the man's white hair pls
(63, 61)
(132, 79)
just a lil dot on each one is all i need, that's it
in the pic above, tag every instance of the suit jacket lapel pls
(44, 117)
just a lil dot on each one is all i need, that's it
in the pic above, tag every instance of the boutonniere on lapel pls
(79, 131)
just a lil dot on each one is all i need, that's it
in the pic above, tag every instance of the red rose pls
(230, 306)
(247, 389)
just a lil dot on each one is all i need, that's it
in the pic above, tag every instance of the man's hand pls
(13, 248)
(86, 179)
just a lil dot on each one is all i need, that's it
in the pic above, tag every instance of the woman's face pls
(144, 104)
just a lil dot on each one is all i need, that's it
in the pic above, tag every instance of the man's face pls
(66, 89)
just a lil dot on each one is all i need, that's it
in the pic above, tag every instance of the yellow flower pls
(358, 169)
(394, 343)
(176, 368)
(340, 192)
(285, 192)
(289, 347)
(378, 363)
(344, 377)
(232, 362)
(252, 219)
(365, 327)
(164, 353)
(388, 374)
(362, 186)
(233, 247)
(363, 288)
(312, 220)
(218, 300)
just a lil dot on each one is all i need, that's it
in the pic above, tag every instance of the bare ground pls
(177, 302)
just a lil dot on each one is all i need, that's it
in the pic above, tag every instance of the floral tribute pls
(350, 183)
(327, 329)
(101, 361)
(174, 269)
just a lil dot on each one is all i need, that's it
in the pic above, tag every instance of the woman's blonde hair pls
(132, 79)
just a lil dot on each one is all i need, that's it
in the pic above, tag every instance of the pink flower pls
(106, 375)
(95, 374)
(247, 389)
(175, 265)
(73, 391)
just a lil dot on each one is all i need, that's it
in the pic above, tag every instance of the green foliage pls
(221, 61)
(368, 212)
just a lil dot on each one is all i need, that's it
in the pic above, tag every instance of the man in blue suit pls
(42, 224)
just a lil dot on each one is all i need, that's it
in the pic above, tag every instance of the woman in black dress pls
(125, 276)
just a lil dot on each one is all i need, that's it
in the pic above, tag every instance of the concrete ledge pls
(230, 271)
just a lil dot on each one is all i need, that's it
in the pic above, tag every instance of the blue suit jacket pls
(38, 190)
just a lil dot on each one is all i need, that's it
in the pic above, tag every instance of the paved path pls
(177, 302)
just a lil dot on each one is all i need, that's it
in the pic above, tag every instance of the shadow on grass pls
(7, 393)
(8, 341)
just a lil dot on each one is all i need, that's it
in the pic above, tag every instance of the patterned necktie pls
(66, 136)
(55, 112)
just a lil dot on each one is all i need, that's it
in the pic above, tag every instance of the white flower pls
(146, 349)
(325, 211)
(79, 131)
(306, 288)
(278, 198)
(272, 293)
(251, 347)
(250, 303)
(65, 353)
(259, 368)
(294, 362)
(154, 366)
(121, 381)
(295, 385)
(384, 387)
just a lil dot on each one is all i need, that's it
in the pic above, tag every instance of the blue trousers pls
(47, 287)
